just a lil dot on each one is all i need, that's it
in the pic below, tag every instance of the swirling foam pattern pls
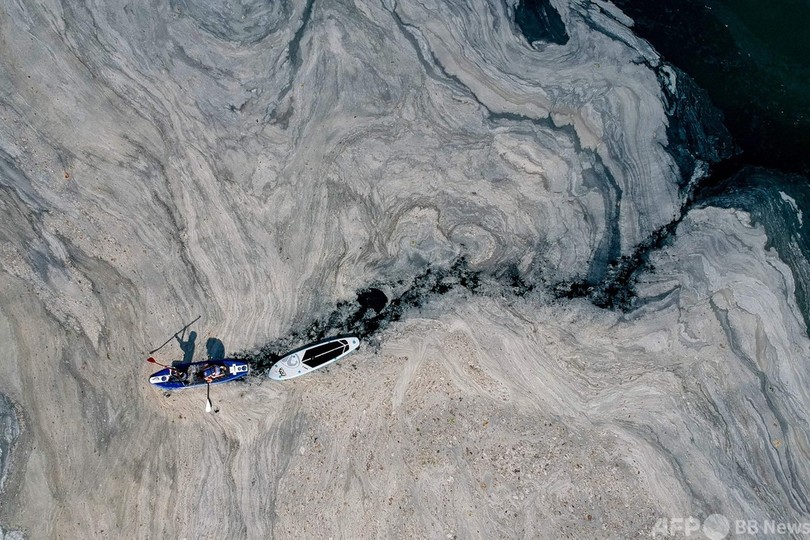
(257, 162)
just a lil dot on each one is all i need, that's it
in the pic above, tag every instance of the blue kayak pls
(199, 374)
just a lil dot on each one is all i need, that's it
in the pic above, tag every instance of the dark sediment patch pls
(372, 298)
(617, 289)
(9, 431)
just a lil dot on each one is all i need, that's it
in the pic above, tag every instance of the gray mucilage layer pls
(245, 22)
(418, 173)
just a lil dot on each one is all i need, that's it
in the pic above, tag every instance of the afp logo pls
(714, 527)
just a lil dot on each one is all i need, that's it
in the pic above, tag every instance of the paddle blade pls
(208, 406)
(151, 360)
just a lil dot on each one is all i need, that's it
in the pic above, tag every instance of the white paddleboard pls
(312, 357)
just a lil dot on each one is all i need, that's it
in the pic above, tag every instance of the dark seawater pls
(539, 21)
(753, 59)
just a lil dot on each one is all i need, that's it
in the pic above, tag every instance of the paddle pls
(153, 361)
(172, 370)
(175, 335)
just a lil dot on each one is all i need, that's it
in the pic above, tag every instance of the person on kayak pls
(213, 372)
(181, 374)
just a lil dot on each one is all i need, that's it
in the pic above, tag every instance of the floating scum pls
(278, 163)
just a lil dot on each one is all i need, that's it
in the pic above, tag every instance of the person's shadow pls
(187, 346)
(215, 349)
(213, 346)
